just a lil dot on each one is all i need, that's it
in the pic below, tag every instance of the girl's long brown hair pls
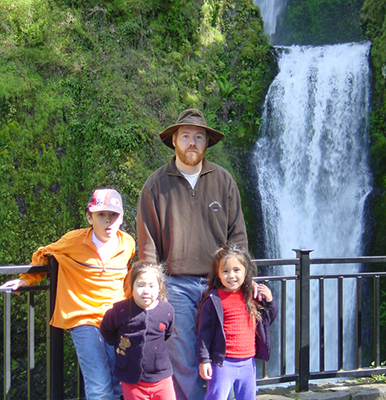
(139, 268)
(221, 256)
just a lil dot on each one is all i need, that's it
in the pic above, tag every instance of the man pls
(187, 209)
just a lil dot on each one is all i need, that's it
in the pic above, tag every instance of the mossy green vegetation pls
(85, 87)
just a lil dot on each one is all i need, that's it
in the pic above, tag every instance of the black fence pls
(361, 295)
(54, 336)
(364, 294)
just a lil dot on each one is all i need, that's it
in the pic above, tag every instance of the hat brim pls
(167, 134)
(94, 209)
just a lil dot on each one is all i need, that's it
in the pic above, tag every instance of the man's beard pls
(191, 159)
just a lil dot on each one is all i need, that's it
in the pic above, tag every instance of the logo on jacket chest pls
(215, 206)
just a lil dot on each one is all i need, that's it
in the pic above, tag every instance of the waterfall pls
(270, 11)
(313, 175)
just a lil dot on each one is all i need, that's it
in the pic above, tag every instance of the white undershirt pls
(105, 249)
(192, 179)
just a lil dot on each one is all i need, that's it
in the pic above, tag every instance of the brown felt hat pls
(194, 117)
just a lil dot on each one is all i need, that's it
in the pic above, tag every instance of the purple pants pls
(239, 373)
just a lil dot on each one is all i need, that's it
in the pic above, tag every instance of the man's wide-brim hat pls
(190, 117)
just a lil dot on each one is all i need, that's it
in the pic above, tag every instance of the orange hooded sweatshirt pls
(86, 286)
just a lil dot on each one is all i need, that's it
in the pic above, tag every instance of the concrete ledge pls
(344, 390)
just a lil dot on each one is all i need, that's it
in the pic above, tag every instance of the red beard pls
(189, 158)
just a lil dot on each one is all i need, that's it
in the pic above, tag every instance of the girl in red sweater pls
(233, 328)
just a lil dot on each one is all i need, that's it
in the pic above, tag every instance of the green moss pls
(85, 87)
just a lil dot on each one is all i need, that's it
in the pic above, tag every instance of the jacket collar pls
(122, 245)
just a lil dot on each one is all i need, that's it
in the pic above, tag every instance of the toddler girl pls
(138, 327)
(233, 328)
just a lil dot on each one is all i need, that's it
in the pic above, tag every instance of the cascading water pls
(270, 11)
(313, 175)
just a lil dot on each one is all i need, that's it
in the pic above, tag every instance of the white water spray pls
(313, 173)
(270, 11)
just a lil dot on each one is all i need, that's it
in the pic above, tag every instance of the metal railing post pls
(7, 345)
(340, 323)
(303, 319)
(321, 325)
(283, 329)
(377, 343)
(31, 345)
(358, 323)
(55, 342)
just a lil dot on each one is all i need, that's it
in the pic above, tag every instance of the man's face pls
(190, 143)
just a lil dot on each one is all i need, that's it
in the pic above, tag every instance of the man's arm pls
(237, 233)
(148, 228)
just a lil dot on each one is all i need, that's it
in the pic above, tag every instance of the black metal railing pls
(302, 280)
(54, 336)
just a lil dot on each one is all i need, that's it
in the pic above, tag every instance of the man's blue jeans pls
(184, 294)
(96, 359)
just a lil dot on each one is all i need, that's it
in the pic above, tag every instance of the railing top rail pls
(322, 276)
(352, 275)
(15, 269)
(22, 269)
(348, 260)
(333, 260)
(275, 278)
(278, 261)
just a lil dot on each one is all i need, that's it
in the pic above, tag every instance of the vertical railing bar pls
(49, 310)
(55, 342)
(377, 355)
(265, 364)
(358, 317)
(283, 328)
(31, 345)
(340, 323)
(321, 325)
(7, 346)
(265, 369)
(302, 352)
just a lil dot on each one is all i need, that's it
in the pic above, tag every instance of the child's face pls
(105, 224)
(232, 274)
(146, 290)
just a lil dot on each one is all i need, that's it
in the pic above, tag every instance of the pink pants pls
(162, 390)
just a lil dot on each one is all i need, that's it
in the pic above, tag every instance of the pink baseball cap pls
(105, 200)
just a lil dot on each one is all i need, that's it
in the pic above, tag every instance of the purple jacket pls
(211, 337)
(139, 337)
